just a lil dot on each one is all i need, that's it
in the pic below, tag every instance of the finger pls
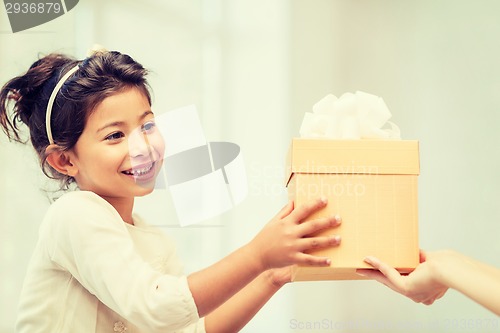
(441, 294)
(307, 244)
(286, 210)
(304, 259)
(428, 300)
(422, 256)
(311, 226)
(392, 274)
(369, 273)
(300, 213)
(373, 274)
(377, 276)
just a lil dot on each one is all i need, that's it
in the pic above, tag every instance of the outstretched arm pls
(439, 271)
(233, 315)
(282, 242)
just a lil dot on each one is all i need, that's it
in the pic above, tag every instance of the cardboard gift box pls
(372, 185)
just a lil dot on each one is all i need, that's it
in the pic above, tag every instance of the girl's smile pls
(142, 173)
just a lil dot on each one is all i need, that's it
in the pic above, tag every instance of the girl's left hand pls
(280, 276)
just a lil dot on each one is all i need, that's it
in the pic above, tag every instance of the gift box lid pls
(369, 157)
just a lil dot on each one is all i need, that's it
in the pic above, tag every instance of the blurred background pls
(253, 68)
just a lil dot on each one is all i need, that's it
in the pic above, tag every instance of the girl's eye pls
(115, 136)
(148, 127)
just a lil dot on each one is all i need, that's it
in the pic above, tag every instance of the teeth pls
(139, 172)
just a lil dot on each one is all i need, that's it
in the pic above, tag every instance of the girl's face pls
(120, 151)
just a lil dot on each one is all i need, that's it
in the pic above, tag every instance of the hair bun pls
(96, 49)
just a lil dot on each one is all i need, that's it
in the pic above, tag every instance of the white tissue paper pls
(351, 116)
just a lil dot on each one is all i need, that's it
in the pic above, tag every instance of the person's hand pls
(421, 285)
(280, 276)
(285, 240)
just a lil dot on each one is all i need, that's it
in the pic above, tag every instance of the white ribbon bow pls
(352, 116)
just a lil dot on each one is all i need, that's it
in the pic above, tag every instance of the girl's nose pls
(138, 144)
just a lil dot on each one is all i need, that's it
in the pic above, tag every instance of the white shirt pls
(92, 272)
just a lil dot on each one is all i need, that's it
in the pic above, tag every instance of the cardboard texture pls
(372, 185)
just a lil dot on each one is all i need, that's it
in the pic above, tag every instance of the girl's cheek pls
(158, 144)
(116, 152)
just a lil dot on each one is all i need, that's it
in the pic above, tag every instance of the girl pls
(98, 267)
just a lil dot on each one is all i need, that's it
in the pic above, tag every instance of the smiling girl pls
(97, 266)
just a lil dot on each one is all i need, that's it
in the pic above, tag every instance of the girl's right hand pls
(286, 238)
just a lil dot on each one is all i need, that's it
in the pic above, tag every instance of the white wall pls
(253, 68)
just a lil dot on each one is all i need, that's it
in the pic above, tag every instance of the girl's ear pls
(61, 160)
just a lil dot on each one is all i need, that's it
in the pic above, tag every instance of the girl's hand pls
(421, 285)
(286, 238)
(280, 276)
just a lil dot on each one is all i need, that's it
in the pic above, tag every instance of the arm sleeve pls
(90, 241)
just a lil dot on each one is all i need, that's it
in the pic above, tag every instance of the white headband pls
(52, 98)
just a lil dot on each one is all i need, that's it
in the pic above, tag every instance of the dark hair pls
(98, 76)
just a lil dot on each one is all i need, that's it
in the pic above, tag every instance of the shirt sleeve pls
(88, 238)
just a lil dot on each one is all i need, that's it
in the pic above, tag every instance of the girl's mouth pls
(140, 170)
